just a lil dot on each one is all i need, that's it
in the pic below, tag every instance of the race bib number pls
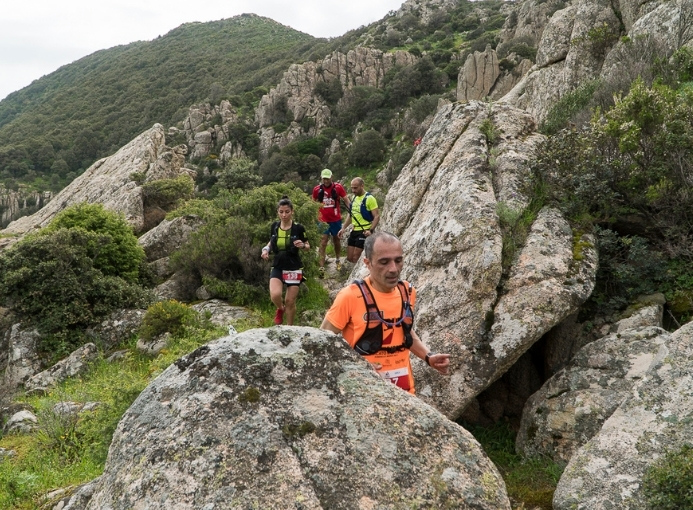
(292, 277)
(398, 376)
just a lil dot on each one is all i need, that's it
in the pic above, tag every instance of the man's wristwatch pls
(428, 358)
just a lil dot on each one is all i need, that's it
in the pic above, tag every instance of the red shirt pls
(329, 208)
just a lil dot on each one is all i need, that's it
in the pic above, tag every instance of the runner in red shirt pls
(329, 194)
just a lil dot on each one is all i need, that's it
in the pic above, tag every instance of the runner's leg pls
(290, 299)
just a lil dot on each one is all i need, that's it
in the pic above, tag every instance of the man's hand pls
(440, 362)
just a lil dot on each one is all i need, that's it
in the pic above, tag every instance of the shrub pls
(490, 131)
(51, 281)
(667, 483)
(168, 316)
(566, 109)
(167, 193)
(115, 249)
(241, 173)
(330, 91)
(368, 148)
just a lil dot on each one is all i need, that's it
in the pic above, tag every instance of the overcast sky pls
(39, 36)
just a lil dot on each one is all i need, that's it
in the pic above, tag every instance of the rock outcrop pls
(294, 98)
(582, 41)
(573, 405)
(110, 182)
(14, 204)
(656, 417)
(444, 207)
(285, 416)
(478, 75)
(207, 126)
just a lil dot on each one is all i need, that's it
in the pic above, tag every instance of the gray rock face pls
(109, 182)
(202, 133)
(220, 312)
(546, 285)
(581, 41)
(478, 75)
(17, 203)
(656, 416)
(23, 360)
(567, 56)
(22, 422)
(572, 406)
(75, 364)
(168, 236)
(444, 207)
(295, 92)
(284, 416)
(118, 327)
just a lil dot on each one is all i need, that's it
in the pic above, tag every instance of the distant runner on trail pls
(328, 194)
(365, 216)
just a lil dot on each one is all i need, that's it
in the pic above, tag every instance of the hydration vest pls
(365, 213)
(371, 341)
(290, 248)
(321, 193)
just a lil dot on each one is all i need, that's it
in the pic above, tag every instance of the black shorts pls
(279, 274)
(357, 238)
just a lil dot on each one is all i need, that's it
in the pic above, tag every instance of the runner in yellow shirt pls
(364, 214)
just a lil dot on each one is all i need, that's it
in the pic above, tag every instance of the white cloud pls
(38, 37)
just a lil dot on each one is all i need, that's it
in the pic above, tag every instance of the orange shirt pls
(348, 313)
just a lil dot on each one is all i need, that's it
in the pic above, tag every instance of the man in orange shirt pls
(376, 317)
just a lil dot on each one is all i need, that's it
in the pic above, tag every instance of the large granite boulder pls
(23, 359)
(288, 417)
(573, 405)
(445, 208)
(590, 39)
(655, 417)
(478, 75)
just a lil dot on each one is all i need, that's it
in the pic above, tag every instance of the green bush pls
(668, 483)
(241, 173)
(167, 193)
(227, 248)
(51, 281)
(330, 91)
(115, 249)
(568, 107)
(168, 316)
(368, 148)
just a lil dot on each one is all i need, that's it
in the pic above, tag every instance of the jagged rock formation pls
(282, 415)
(478, 75)
(294, 100)
(581, 41)
(656, 417)
(207, 126)
(75, 364)
(425, 9)
(110, 181)
(14, 204)
(481, 76)
(22, 360)
(444, 207)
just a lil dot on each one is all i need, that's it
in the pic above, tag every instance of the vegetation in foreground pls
(530, 481)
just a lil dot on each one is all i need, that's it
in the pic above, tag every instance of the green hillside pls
(59, 125)
(64, 121)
